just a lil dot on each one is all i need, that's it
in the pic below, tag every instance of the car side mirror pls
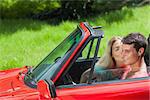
(47, 89)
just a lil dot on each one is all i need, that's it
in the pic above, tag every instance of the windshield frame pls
(31, 80)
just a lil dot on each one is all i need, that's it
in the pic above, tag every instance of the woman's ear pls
(141, 51)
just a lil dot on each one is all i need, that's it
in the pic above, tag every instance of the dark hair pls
(137, 39)
(147, 53)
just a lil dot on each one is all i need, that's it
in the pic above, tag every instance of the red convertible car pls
(57, 77)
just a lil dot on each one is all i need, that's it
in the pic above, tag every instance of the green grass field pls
(27, 42)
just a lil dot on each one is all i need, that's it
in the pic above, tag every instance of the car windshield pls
(56, 55)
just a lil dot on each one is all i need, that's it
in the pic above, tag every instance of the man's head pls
(134, 46)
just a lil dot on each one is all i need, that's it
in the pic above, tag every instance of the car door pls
(132, 89)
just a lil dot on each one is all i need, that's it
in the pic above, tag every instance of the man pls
(134, 46)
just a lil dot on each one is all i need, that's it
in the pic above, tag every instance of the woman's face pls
(117, 52)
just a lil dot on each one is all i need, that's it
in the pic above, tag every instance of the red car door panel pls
(131, 90)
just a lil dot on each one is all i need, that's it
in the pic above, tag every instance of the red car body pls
(12, 86)
(19, 83)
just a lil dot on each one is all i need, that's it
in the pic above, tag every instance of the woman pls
(112, 57)
(111, 60)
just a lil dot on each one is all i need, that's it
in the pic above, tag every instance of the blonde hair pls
(107, 61)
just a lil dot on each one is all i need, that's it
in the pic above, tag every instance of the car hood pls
(12, 85)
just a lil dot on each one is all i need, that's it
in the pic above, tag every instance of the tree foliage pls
(61, 9)
(25, 8)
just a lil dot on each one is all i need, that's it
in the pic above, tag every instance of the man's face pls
(130, 55)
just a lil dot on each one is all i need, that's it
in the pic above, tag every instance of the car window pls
(89, 50)
(86, 50)
(93, 48)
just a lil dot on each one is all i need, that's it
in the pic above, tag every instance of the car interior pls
(73, 74)
(81, 63)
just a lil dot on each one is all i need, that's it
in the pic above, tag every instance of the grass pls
(27, 42)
